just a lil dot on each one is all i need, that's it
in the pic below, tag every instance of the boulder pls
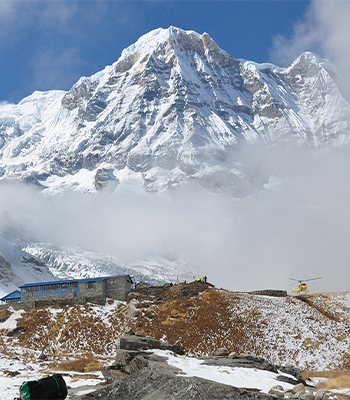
(294, 371)
(43, 356)
(138, 343)
(276, 392)
(290, 395)
(128, 362)
(277, 387)
(320, 395)
(306, 396)
(222, 352)
(287, 379)
(289, 391)
(299, 388)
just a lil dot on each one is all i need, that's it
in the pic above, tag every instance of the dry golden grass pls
(335, 379)
(341, 382)
(73, 328)
(4, 314)
(202, 323)
(322, 374)
(93, 366)
(79, 365)
(341, 337)
(324, 309)
(310, 343)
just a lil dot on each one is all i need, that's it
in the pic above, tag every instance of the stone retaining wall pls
(270, 292)
(30, 305)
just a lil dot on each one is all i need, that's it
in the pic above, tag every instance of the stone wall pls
(29, 305)
(151, 291)
(54, 297)
(93, 289)
(118, 288)
(270, 292)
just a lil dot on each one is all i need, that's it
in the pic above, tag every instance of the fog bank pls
(296, 226)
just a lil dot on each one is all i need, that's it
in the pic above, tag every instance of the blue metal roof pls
(139, 283)
(13, 295)
(49, 283)
(103, 278)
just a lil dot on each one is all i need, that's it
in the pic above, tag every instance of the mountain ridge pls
(172, 108)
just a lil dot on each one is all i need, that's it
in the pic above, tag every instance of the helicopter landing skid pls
(304, 292)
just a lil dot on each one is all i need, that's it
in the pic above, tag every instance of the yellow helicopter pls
(302, 287)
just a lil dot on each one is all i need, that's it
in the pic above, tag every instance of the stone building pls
(13, 297)
(115, 287)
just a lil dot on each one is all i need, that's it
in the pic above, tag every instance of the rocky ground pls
(139, 373)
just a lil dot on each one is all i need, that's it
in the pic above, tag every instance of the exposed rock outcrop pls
(158, 385)
(140, 374)
(137, 343)
(245, 361)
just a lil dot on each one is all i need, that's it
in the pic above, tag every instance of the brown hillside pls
(309, 331)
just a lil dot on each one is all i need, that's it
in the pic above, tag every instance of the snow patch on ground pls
(11, 322)
(237, 377)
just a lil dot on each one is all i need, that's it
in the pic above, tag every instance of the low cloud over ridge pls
(297, 225)
(324, 30)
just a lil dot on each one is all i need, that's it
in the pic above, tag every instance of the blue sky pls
(48, 45)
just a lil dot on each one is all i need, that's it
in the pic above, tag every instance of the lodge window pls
(90, 285)
(69, 285)
(32, 289)
(50, 287)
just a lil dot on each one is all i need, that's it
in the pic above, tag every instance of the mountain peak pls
(178, 39)
(169, 111)
(151, 41)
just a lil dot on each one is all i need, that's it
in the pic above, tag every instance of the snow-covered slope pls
(18, 267)
(172, 108)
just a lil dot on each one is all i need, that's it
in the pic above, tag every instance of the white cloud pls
(299, 229)
(324, 30)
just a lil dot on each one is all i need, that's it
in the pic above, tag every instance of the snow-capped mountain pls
(172, 108)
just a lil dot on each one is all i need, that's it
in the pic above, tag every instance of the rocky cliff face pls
(174, 107)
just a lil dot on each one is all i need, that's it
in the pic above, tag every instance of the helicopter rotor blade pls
(312, 279)
(303, 280)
